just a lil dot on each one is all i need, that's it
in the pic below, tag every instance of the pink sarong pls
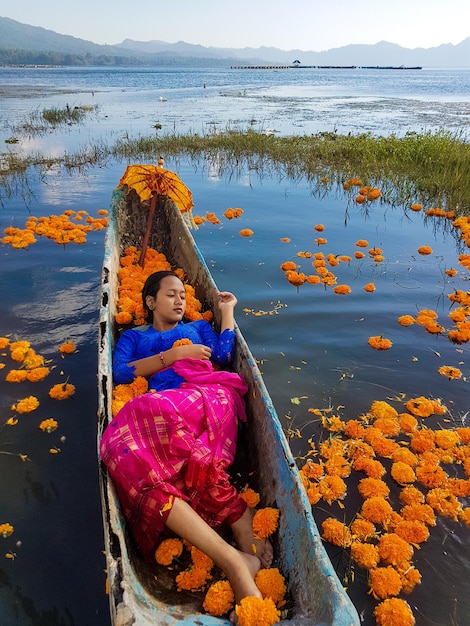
(177, 443)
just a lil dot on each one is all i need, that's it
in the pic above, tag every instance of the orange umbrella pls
(150, 181)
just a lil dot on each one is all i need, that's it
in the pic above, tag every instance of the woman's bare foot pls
(247, 542)
(243, 586)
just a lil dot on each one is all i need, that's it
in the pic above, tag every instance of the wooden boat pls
(138, 593)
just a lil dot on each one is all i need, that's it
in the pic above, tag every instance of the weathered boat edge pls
(319, 597)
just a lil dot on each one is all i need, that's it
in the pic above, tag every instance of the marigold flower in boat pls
(366, 555)
(200, 559)
(6, 530)
(250, 497)
(272, 585)
(336, 533)
(265, 522)
(168, 550)
(193, 579)
(246, 232)
(394, 550)
(219, 598)
(49, 425)
(26, 405)
(384, 582)
(394, 612)
(376, 510)
(257, 612)
(62, 391)
(379, 342)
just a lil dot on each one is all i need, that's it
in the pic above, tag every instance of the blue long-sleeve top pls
(143, 341)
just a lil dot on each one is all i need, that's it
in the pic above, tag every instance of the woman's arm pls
(227, 303)
(152, 364)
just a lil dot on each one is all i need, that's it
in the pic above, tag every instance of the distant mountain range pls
(32, 45)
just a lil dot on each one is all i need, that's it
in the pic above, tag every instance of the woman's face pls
(169, 304)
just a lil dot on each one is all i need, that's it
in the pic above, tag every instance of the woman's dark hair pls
(151, 287)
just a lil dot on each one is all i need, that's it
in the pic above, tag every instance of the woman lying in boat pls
(168, 451)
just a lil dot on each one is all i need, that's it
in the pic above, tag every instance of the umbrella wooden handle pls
(145, 241)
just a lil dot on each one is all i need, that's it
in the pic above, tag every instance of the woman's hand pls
(226, 300)
(192, 351)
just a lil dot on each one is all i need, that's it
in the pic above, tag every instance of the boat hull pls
(318, 598)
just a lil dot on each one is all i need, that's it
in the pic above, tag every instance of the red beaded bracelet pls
(162, 359)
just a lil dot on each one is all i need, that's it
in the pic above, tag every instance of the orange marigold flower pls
(408, 423)
(444, 503)
(450, 272)
(250, 497)
(393, 611)
(446, 439)
(421, 406)
(49, 425)
(320, 241)
(406, 320)
(265, 522)
(416, 207)
(430, 475)
(257, 612)
(464, 434)
(366, 555)
(319, 228)
(312, 470)
(336, 533)
(16, 376)
(219, 598)
(410, 577)
(37, 374)
(404, 455)
(422, 441)
(342, 289)
(337, 465)
(360, 199)
(402, 473)
(373, 193)
(6, 530)
(201, 560)
(420, 512)
(332, 488)
(452, 373)
(182, 342)
(4, 341)
(412, 531)
(193, 579)
(411, 495)
(285, 239)
(394, 550)
(296, 278)
(362, 529)
(361, 243)
(424, 250)
(359, 255)
(272, 585)
(246, 232)
(288, 266)
(389, 427)
(384, 582)
(168, 550)
(371, 487)
(68, 347)
(464, 515)
(379, 342)
(26, 405)
(371, 467)
(376, 510)
(62, 391)
(370, 287)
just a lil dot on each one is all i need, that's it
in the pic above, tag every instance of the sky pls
(309, 25)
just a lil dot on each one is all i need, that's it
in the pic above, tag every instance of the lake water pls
(313, 348)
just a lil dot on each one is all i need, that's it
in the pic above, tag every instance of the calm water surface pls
(314, 347)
